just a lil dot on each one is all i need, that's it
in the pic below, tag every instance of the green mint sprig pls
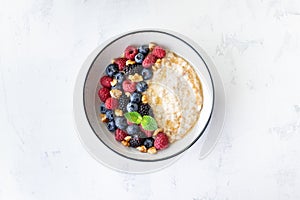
(133, 117)
(148, 123)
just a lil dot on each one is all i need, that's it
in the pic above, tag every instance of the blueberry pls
(117, 86)
(131, 107)
(111, 126)
(102, 108)
(141, 135)
(147, 73)
(139, 58)
(149, 142)
(110, 115)
(141, 86)
(143, 49)
(135, 97)
(133, 129)
(120, 77)
(121, 122)
(112, 69)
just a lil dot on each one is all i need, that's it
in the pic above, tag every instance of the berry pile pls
(124, 108)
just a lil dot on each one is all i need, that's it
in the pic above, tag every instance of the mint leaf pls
(133, 117)
(149, 123)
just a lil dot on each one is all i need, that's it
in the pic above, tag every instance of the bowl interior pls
(114, 49)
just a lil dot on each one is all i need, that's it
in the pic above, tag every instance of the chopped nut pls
(127, 94)
(151, 45)
(157, 66)
(168, 133)
(177, 125)
(152, 150)
(158, 100)
(144, 98)
(112, 61)
(135, 78)
(142, 149)
(127, 138)
(168, 64)
(125, 143)
(113, 82)
(158, 60)
(130, 62)
(118, 112)
(115, 93)
(159, 130)
(103, 118)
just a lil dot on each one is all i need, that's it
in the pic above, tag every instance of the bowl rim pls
(169, 33)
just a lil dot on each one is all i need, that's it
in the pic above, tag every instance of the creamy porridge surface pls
(175, 95)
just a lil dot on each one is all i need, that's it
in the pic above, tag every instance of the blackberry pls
(136, 141)
(151, 113)
(144, 109)
(132, 69)
(123, 101)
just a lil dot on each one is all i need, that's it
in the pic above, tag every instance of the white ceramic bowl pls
(114, 48)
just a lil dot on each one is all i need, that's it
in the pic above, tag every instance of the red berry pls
(149, 60)
(129, 86)
(161, 141)
(147, 133)
(111, 103)
(130, 52)
(105, 81)
(121, 62)
(103, 94)
(120, 135)
(158, 52)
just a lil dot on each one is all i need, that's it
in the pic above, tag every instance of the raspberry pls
(149, 60)
(129, 86)
(111, 103)
(121, 62)
(130, 52)
(103, 94)
(120, 135)
(147, 133)
(105, 81)
(158, 52)
(161, 141)
(144, 109)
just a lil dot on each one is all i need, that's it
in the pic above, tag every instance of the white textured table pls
(255, 46)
